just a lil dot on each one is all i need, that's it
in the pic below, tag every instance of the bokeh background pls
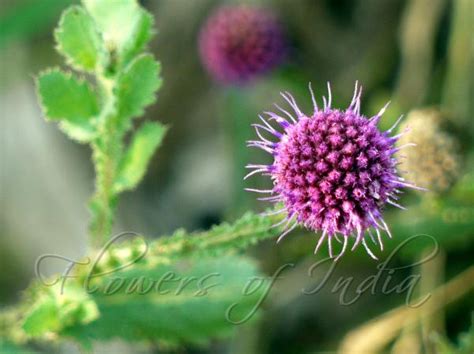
(416, 53)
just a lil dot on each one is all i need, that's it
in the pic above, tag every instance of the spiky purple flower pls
(334, 171)
(239, 43)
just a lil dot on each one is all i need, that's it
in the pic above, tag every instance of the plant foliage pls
(106, 39)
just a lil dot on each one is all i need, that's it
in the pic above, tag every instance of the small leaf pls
(69, 100)
(55, 308)
(135, 162)
(78, 40)
(136, 87)
(142, 34)
(117, 20)
(42, 318)
(65, 97)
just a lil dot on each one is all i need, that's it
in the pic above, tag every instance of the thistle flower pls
(435, 162)
(334, 171)
(239, 43)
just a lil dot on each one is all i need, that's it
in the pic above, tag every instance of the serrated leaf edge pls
(69, 74)
(69, 61)
(118, 189)
(158, 85)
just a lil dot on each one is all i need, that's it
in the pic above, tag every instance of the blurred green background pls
(416, 53)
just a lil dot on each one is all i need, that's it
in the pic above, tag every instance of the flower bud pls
(434, 163)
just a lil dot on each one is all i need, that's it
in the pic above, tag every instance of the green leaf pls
(42, 318)
(147, 314)
(136, 87)
(82, 133)
(69, 100)
(124, 25)
(55, 308)
(78, 40)
(142, 34)
(135, 162)
(200, 303)
(64, 97)
(201, 293)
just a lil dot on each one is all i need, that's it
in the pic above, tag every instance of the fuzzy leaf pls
(53, 310)
(135, 162)
(209, 291)
(78, 40)
(81, 133)
(69, 100)
(136, 87)
(143, 32)
(190, 309)
(42, 318)
(125, 26)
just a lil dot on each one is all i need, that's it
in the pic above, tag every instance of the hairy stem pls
(106, 154)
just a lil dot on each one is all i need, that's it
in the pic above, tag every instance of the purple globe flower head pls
(333, 171)
(239, 43)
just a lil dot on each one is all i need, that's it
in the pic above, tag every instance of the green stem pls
(106, 154)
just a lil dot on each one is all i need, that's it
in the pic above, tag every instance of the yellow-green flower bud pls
(434, 163)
